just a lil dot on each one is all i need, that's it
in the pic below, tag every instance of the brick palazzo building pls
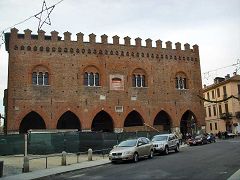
(56, 83)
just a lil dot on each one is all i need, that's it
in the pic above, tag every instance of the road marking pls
(235, 176)
(76, 176)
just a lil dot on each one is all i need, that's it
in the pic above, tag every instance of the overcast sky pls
(212, 24)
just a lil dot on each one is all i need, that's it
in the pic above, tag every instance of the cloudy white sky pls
(212, 24)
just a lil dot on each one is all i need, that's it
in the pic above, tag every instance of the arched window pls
(85, 79)
(40, 78)
(138, 81)
(181, 81)
(34, 78)
(91, 79)
(97, 79)
(139, 78)
(45, 79)
(134, 80)
(143, 81)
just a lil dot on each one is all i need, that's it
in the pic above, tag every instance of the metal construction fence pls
(71, 142)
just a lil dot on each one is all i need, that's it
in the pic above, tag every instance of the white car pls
(165, 143)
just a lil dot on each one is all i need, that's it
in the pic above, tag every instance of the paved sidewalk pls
(56, 170)
(13, 165)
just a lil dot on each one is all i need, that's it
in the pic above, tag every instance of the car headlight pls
(127, 152)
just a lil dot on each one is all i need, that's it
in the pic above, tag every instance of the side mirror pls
(139, 144)
(114, 146)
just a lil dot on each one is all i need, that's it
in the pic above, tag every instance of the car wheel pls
(135, 157)
(166, 150)
(177, 148)
(151, 154)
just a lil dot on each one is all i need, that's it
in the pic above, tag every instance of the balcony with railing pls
(226, 116)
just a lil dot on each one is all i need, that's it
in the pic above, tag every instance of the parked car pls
(230, 135)
(199, 139)
(132, 149)
(165, 143)
(211, 138)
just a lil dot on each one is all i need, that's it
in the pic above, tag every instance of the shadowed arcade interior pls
(31, 121)
(69, 121)
(102, 122)
(162, 122)
(188, 123)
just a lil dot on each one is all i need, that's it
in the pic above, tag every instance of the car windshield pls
(198, 137)
(159, 138)
(128, 143)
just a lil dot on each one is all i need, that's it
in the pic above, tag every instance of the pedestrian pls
(219, 135)
(225, 134)
(180, 138)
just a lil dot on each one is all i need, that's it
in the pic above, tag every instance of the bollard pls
(64, 159)
(25, 164)
(89, 154)
(1, 168)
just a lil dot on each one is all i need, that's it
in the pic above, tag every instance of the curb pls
(235, 176)
(57, 170)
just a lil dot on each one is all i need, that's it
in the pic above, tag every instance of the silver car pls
(132, 149)
(165, 143)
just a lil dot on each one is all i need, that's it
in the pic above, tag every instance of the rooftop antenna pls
(210, 73)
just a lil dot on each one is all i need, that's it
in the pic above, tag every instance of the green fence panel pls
(57, 142)
(40, 143)
(11, 144)
(91, 140)
(109, 140)
(71, 142)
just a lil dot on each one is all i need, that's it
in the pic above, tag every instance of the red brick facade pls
(66, 63)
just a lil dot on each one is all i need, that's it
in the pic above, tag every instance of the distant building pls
(101, 86)
(225, 115)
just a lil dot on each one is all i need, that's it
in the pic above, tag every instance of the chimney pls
(218, 80)
(227, 77)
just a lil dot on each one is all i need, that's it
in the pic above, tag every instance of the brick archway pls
(69, 120)
(188, 123)
(102, 122)
(31, 121)
(163, 121)
(134, 122)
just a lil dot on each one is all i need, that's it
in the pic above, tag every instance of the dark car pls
(197, 140)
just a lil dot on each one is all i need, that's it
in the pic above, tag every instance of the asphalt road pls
(213, 161)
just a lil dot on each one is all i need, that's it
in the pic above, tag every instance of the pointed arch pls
(133, 119)
(102, 122)
(69, 121)
(162, 121)
(31, 121)
(188, 123)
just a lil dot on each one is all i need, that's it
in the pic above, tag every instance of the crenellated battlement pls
(54, 37)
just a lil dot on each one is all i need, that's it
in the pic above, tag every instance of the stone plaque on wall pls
(116, 82)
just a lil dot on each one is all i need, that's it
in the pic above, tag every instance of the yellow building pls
(222, 105)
